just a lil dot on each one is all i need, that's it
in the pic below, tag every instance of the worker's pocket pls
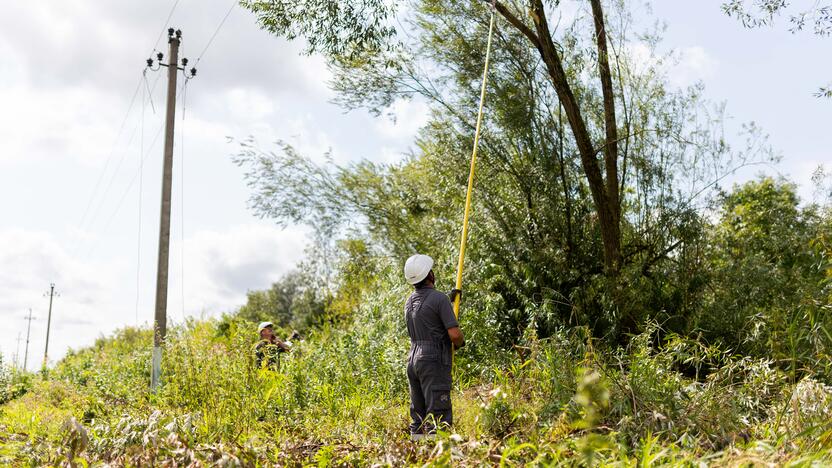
(441, 396)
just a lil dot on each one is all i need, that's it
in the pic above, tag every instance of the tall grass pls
(340, 397)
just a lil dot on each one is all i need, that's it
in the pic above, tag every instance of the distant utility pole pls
(160, 321)
(51, 294)
(28, 329)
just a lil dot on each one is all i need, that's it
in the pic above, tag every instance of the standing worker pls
(433, 329)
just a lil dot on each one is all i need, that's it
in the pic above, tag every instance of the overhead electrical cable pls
(103, 197)
(149, 91)
(182, 194)
(124, 119)
(111, 153)
(139, 228)
(93, 215)
(216, 31)
(128, 188)
(135, 176)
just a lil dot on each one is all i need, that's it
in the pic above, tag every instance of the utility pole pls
(160, 321)
(51, 294)
(28, 329)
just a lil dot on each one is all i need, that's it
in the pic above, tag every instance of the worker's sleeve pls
(446, 313)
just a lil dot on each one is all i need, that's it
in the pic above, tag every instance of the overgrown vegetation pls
(761, 395)
(697, 334)
(340, 398)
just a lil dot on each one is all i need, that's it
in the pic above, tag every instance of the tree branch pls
(517, 23)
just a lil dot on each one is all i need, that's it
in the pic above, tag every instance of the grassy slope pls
(342, 398)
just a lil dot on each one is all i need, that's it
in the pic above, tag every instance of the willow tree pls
(589, 159)
(348, 31)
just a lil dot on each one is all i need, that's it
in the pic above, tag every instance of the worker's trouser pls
(430, 393)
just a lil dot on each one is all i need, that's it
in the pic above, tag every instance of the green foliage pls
(562, 398)
(535, 256)
(340, 398)
(14, 383)
(114, 369)
(331, 28)
(292, 301)
(767, 291)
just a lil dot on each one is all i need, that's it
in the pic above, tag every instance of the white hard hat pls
(264, 325)
(417, 267)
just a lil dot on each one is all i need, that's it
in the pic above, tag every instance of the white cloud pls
(693, 64)
(405, 119)
(306, 135)
(42, 124)
(683, 66)
(249, 104)
(220, 266)
(65, 89)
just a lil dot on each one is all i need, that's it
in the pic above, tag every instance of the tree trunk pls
(613, 248)
(605, 193)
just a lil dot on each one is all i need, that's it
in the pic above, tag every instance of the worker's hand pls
(453, 295)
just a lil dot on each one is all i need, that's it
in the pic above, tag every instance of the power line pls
(124, 120)
(100, 201)
(132, 102)
(127, 190)
(103, 201)
(133, 180)
(139, 229)
(112, 151)
(51, 295)
(149, 94)
(216, 31)
(182, 195)
(103, 198)
(28, 330)
(162, 270)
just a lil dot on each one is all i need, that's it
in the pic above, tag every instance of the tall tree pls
(550, 219)
(346, 30)
(604, 188)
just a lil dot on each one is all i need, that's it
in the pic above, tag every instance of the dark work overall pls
(429, 360)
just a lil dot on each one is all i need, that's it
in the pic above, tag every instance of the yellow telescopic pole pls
(473, 167)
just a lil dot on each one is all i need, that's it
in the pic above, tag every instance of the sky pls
(80, 166)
